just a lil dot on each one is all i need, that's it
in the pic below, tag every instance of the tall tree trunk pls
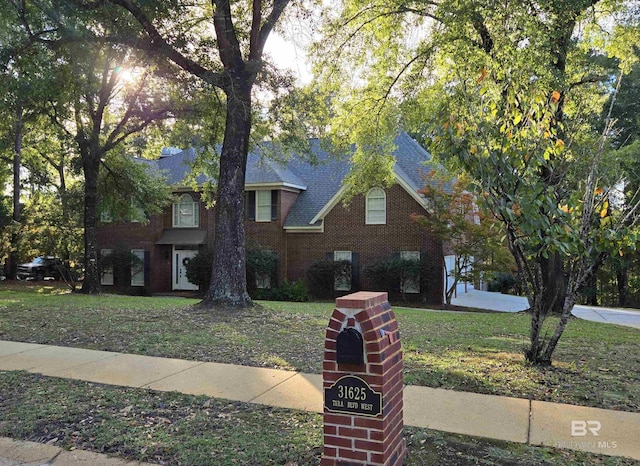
(228, 285)
(17, 213)
(91, 166)
(622, 279)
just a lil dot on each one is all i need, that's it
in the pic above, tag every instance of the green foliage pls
(287, 291)
(510, 92)
(503, 282)
(131, 191)
(261, 263)
(321, 277)
(390, 275)
(198, 269)
(51, 226)
(262, 266)
(470, 233)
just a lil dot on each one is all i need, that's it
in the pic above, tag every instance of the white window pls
(106, 274)
(137, 267)
(410, 284)
(185, 212)
(376, 206)
(342, 278)
(263, 206)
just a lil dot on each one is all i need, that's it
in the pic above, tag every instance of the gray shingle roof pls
(318, 181)
(261, 170)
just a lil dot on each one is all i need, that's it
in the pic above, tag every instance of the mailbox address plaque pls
(352, 395)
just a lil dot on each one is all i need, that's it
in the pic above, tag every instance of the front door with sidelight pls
(180, 260)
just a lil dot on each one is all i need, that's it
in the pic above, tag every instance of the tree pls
(105, 113)
(22, 87)
(505, 144)
(472, 236)
(524, 68)
(240, 38)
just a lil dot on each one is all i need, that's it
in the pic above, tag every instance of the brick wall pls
(356, 438)
(135, 235)
(345, 230)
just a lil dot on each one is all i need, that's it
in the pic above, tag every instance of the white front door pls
(180, 259)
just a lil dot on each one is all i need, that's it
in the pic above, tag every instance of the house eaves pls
(399, 179)
(281, 185)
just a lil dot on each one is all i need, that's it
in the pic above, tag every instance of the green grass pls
(595, 364)
(177, 429)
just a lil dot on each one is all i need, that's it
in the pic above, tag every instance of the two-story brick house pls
(293, 209)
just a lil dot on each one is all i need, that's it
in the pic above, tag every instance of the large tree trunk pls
(91, 282)
(228, 285)
(553, 282)
(17, 214)
(622, 279)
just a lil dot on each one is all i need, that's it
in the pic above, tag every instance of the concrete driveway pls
(508, 303)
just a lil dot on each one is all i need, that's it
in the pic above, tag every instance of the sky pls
(288, 51)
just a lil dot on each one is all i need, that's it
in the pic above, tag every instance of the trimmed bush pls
(288, 291)
(261, 263)
(321, 277)
(388, 275)
(199, 269)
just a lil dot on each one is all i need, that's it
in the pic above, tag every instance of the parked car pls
(42, 267)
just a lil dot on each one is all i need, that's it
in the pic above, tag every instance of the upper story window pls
(185, 212)
(376, 206)
(262, 206)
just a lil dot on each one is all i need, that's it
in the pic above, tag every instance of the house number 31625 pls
(352, 393)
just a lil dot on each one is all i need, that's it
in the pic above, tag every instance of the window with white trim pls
(263, 206)
(410, 284)
(342, 279)
(106, 274)
(376, 207)
(186, 212)
(137, 267)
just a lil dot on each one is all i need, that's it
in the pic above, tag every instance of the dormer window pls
(262, 205)
(186, 212)
(376, 206)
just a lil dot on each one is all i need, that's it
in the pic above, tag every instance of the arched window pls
(185, 212)
(376, 206)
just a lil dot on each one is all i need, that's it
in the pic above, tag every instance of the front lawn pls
(596, 364)
(479, 352)
(176, 429)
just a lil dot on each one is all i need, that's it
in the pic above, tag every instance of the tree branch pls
(156, 44)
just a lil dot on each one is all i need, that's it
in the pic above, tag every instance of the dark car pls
(41, 268)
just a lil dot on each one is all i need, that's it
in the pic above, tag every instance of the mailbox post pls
(362, 380)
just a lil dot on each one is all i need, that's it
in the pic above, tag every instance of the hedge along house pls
(294, 209)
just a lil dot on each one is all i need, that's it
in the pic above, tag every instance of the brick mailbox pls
(362, 380)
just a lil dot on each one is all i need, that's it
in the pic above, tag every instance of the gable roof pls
(319, 183)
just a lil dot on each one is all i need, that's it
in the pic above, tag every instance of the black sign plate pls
(352, 395)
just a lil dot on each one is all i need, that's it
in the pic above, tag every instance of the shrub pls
(504, 282)
(261, 263)
(388, 275)
(321, 277)
(288, 291)
(199, 269)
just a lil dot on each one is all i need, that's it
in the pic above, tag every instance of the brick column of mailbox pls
(357, 439)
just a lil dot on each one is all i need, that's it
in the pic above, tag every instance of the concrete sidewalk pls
(509, 303)
(503, 418)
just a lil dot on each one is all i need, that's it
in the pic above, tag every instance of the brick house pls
(293, 209)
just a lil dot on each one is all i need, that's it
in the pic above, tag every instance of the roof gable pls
(319, 182)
